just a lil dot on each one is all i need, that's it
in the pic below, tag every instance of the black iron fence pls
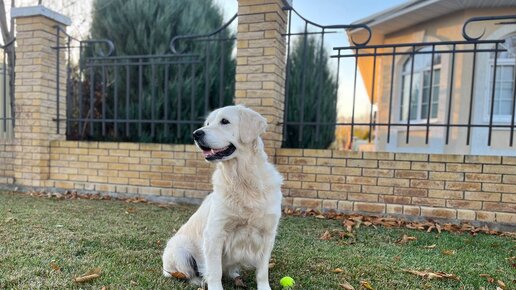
(146, 98)
(417, 91)
(7, 115)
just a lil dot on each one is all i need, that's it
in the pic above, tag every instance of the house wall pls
(6, 161)
(446, 28)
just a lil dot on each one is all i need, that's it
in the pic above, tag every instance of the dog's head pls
(228, 130)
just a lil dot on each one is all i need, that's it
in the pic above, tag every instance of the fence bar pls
(206, 81)
(303, 87)
(68, 85)
(319, 88)
(352, 132)
(127, 96)
(58, 39)
(179, 97)
(287, 77)
(192, 97)
(115, 95)
(513, 109)
(140, 97)
(221, 75)
(92, 102)
(450, 98)
(472, 93)
(166, 104)
(429, 112)
(410, 94)
(493, 92)
(4, 96)
(103, 84)
(153, 97)
(372, 97)
(390, 94)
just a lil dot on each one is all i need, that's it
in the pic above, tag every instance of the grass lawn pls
(46, 243)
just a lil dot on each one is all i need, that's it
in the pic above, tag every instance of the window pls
(504, 82)
(419, 99)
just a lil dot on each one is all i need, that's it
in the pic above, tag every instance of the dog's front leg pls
(262, 269)
(212, 248)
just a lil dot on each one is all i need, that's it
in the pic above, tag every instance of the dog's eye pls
(224, 122)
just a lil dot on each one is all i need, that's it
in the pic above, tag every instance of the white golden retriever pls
(235, 226)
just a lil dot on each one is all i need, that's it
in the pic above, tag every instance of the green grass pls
(126, 241)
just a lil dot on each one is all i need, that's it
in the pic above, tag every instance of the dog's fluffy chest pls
(246, 237)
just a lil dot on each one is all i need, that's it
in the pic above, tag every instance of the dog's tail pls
(179, 260)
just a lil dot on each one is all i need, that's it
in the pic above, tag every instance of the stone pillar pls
(35, 91)
(260, 72)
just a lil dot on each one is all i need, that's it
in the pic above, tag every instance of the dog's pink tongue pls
(212, 152)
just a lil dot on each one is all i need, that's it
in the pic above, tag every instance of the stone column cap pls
(40, 10)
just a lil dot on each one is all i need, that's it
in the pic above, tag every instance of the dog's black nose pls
(197, 134)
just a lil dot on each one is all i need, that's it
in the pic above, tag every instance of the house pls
(455, 86)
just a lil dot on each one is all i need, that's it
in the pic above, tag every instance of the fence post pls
(35, 91)
(261, 63)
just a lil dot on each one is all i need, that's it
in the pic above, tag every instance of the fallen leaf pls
(103, 288)
(433, 275)
(346, 286)
(431, 247)
(448, 252)
(271, 265)
(366, 285)
(337, 270)
(320, 216)
(179, 275)
(88, 276)
(55, 267)
(501, 284)
(326, 236)
(130, 210)
(488, 277)
(405, 239)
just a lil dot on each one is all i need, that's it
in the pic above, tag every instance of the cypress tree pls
(311, 96)
(163, 85)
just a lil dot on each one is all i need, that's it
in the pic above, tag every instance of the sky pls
(331, 12)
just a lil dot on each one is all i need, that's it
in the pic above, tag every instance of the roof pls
(416, 11)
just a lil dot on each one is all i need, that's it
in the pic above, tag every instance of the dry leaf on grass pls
(91, 275)
(326, 236)
(501, 284)
(405, 239)
(366, 285)
(337, 270)
(130, 210)
(431, 247)
(179, 275)
(448, 252)
(55, 267)
(488, 278)
(433, 275)
(346, 286)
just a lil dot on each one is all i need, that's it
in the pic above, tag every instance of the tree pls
(311, 95)
(164, 83)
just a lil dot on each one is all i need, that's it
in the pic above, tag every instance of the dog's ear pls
(251, 125)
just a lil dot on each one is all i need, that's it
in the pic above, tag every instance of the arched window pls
(421, 86)
(504, 82)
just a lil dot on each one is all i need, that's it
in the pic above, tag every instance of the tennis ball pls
(287, 282)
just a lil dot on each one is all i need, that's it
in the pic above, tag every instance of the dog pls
(235, 226)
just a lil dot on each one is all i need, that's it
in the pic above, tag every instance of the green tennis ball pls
(287, 282)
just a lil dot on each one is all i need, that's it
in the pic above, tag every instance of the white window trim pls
(418, 120)
(489, 90)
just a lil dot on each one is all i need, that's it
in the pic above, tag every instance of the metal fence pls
(146, 98)
(7, 116)
(410, 88)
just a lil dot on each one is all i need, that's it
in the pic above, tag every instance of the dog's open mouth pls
(214, 154)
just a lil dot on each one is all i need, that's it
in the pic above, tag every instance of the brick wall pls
(6, 161)
(148, 169)
(480, 188)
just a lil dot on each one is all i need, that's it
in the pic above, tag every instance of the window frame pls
(403, 74)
